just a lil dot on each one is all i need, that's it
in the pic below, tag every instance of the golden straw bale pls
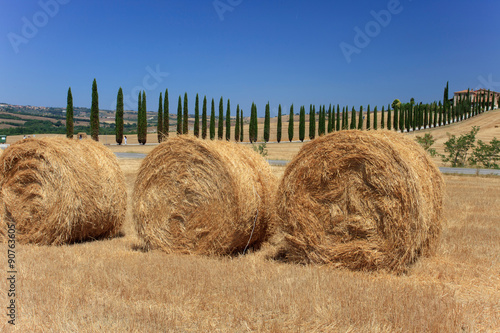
(363, 200)
(59, 191)
(195, 196)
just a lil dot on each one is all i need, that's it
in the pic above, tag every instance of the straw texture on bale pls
(362, 200)
(60, 191)
(194, 196)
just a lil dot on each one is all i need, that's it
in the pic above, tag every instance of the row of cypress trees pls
(401, 117)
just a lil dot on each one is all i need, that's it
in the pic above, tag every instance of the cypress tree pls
(360, 120)
(267, 123)
(353, 119)
(159, 127)
(144, 119)
(312, 122)
(212, 121)
(344, 119)
(375, 117)
(69, 115)
(204, 119)
(440, 116)
(94, 113)
(402, 119)
(196, 130)
(426, 116)
(330, 119)
(302, 123)
(389, 117)
(445, 96)
(119, 117)
(396, 117)
(337, 123)
(241, 126)
(290, 124)
(179, 116)
(278, 127)
(220, 127)
(253, 129)
(186, 115)
(237, 124)
(321, 120)
(488, 101)
(139, 115)
(368, 120)
(228, 121)
(382, 116)
(166, 115)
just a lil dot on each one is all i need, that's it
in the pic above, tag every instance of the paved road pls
(464, 171)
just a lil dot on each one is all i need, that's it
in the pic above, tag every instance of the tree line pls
(398, 116)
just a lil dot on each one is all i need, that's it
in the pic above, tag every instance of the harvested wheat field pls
(60, 191)
(360, 200)
(113, 286)
(203, 197)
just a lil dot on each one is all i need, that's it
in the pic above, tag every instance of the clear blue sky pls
(277, 51)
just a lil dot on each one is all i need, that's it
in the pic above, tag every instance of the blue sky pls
(248, 51)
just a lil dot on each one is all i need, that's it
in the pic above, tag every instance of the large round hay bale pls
(59, 191)
(203, 197)
(360, 200)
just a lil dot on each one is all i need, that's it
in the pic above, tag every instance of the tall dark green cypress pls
(397, 109)
(212, 120)
(241, 126)
(321, 120)
(382, 116)
(179, 116)
(267, 123)
(389, 117)
(302, 123)
(360, 119)
(94, 113)
(331, 120)
(144, 120)
(312, 122)
(353, 119)
(159, 127)
(337, 123)
(166, 115)
(344, 119)
(435, 111)
(204, 119)
(488, 101)
(375, 117)
(185, 120)
(220, 127)
(253, 128)
(119, 117)
(440, 114)
(237, 124)
(445, 96)
(278, 126)
(69, 114)
(228, 121)
(139, 115)
(196, 130)
(290, 124)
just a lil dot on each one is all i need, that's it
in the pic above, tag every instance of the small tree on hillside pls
(237, 124)
(69, 115)
(278, 126)
(353, 119)
(267, 124)
(204, 119)
(302, 123)
(228, 121)
(94, 113)
(196, 130)
(312, 122)
(212, 121)
(389, 118)
(375, 116)
(331, 121)
(368, 120)
(241, 126)
(360, 119)
(185, 119)
(337, 123)
(179, 116)
(290, 124)
(119, 117)
(159, 127)
(166, 115)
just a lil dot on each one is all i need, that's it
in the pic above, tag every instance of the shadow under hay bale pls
(203, 197)
(360, 200)
(60, 191)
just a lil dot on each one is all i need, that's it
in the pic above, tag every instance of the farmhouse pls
(477, 95)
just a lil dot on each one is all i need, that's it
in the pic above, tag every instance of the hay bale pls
(194, 196)
(359, 200)
(60, 191)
